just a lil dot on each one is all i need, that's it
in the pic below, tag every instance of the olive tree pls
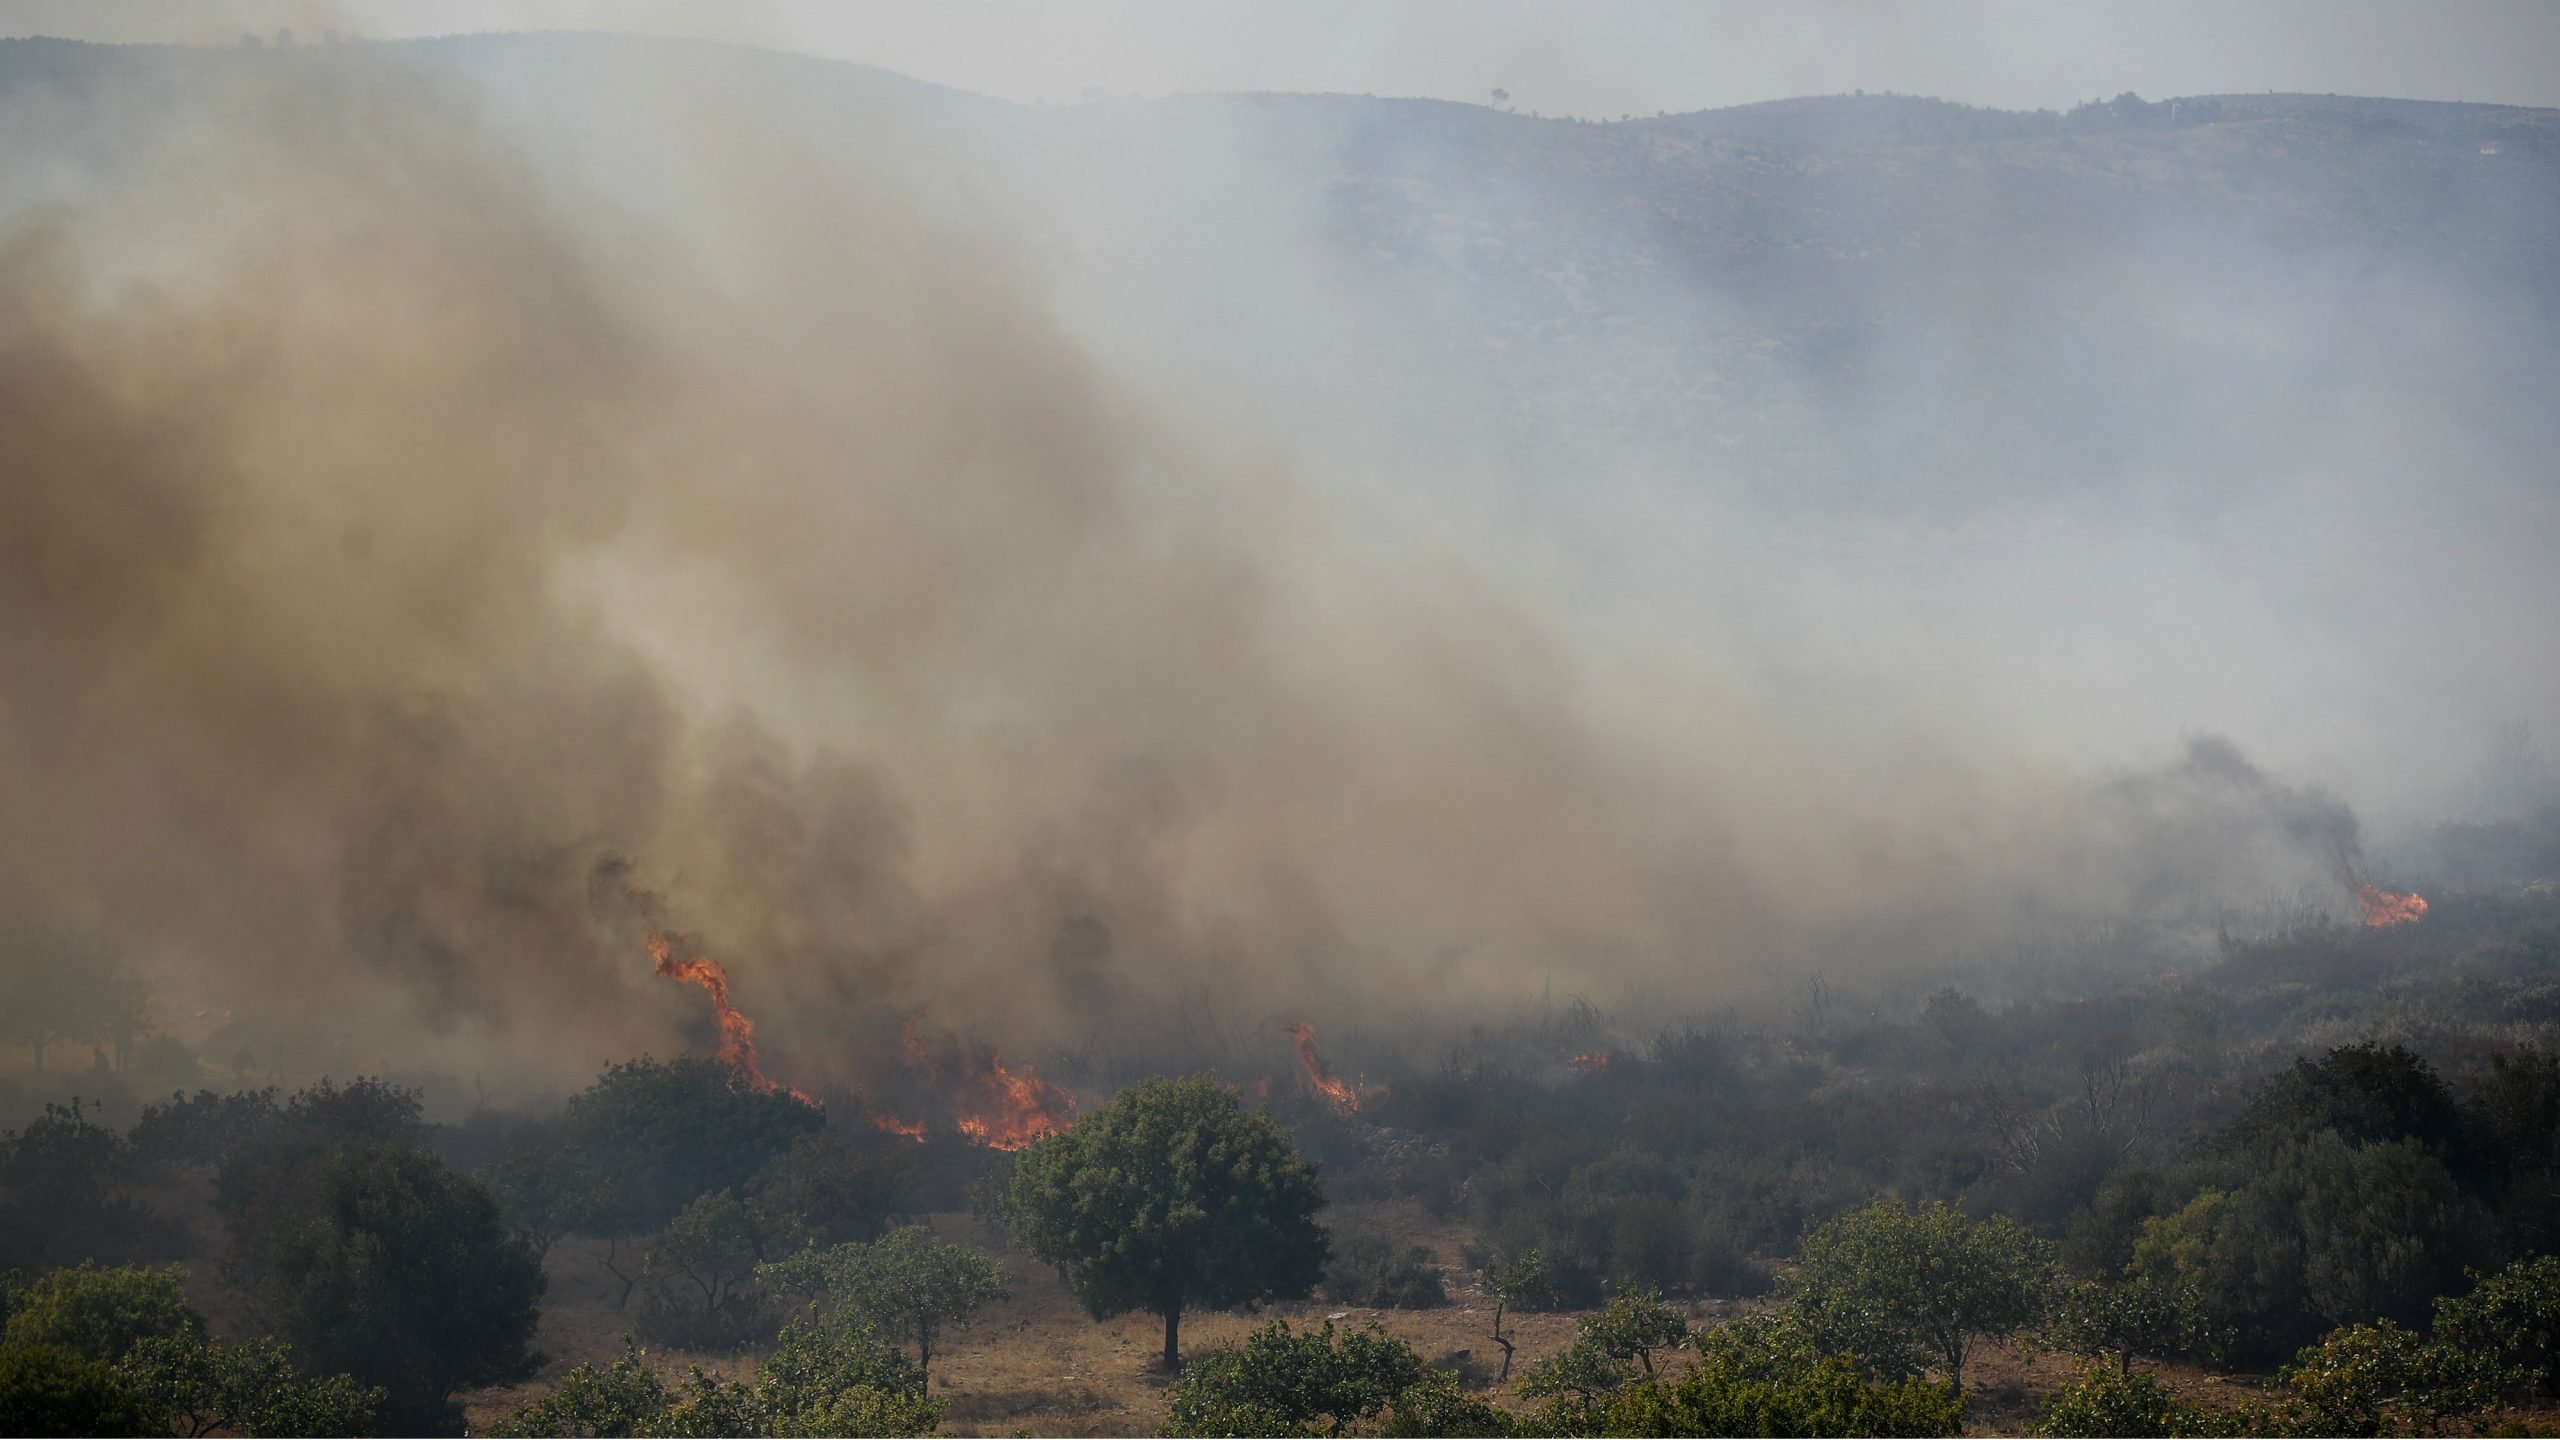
(1171, 1197)
(1903, 1289)
(907, 1283)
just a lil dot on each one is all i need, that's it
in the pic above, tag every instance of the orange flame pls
(1000, 1107)
(2389, 907)
(737, 1032)
(1594, 1062)
(1340, 1096)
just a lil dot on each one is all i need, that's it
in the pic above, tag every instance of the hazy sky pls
(1586, 59)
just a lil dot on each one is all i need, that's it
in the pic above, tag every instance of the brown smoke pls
(417, 583)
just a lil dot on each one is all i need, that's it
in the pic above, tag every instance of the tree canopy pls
(1171, 1197)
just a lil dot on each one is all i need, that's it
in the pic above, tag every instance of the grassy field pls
(1038, 1365)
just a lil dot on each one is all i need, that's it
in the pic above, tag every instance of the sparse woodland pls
(2182, 1154)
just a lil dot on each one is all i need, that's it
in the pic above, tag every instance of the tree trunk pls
(1504, 1341)
(1173, 1337)
(613, 1243)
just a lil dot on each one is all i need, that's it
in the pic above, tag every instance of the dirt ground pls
(1037, 1365)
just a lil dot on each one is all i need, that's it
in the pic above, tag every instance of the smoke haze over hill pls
(473, 502)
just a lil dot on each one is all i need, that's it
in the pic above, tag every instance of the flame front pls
(992, 1104)
(1593, 1062)
(737, 1032)
(1340, 1096)
(2389, 907)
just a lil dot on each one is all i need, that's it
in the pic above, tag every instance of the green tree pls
(47, 1390)
(63, 1196)
(1171, 1197)
(100, 1313)
(2147, 1315)
(1608, 1348)
(907, 1283)
(666, 1133)
(1285, 1382)
(700, 1272)
(252, 1388)
(836, 1189)
(1519, 1283)
(1902, 1289)
(2513, 1316)
(383, 1263)
(546, 1193)
(2382, 1379)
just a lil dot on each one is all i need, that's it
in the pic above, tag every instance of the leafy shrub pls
(251, 1388)
(823, 1378)
(1759, 1376)
(1437, 1405)
(62, 1196)
(1284, 1382)
(100, 1313)
(2381, 1379)
(2111, 1401)
(1369, 1269)
(2513, 1316)
(48, 1390)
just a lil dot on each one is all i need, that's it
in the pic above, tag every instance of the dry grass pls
(1037, 1364)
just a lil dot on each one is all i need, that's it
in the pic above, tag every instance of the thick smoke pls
(424, 569)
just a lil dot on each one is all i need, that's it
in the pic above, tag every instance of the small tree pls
(1171, 1197)
(1609, 1347)
(2382, 1379)
(546, 1193)
(907, 1283)
(2147, 1315)
(700, 1273)
(1519, 1283)
(1902, 1289)
(2107, 1401)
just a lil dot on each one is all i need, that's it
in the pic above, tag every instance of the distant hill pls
(1723, 287)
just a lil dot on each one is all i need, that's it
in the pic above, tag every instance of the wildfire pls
(1594, 1062)
(2389, 907)
(1340, 1096)
(737, 1032)
(999, 1106)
